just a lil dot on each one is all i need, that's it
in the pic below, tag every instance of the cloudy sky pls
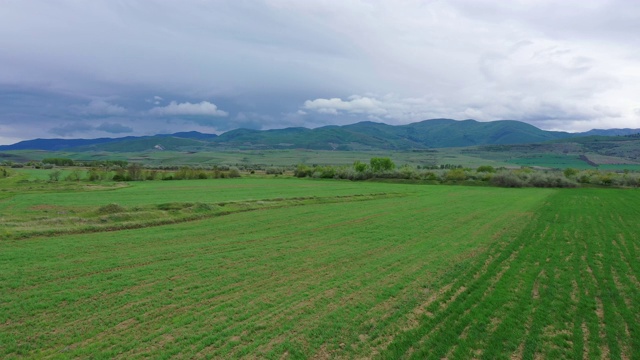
(111, 68)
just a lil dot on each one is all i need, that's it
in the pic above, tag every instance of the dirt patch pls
(500, 274)
(165, 339)
(484, 268)
(321, 354)
(574, 291)
(493, 325)
(551, 331)
(585, 341)
(519, 353)
(535, 294)
(602, 333)
(125, 324)
(453, 297)
(599, 309)
(275, 341)
(620, 287)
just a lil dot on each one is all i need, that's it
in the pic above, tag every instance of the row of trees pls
(384, 168)
(377, 167)
(71, 162)
(135, 172)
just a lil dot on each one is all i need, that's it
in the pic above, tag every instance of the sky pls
(113, 68)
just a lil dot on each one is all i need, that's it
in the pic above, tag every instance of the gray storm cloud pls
(99, 107)
(114, 128)
(69, 67)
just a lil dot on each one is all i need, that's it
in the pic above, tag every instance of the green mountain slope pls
(146, 143)
(441, 133)
(436, 133)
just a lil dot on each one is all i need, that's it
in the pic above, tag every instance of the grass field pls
(290, 268)
(540, 155)
(552, 161)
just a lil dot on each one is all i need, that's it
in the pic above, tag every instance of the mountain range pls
(367, 135)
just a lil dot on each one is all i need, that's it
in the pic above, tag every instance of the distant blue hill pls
(90, 144)
(366, 135)
(611, 132)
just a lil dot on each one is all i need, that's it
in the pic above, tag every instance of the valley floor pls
(291, 268)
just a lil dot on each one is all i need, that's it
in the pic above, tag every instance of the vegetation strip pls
(113, 217)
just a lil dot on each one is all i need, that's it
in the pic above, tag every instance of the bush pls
(274, 171)
(570, 172)
(55, 175)
(234, 172)
(111, 209)
(75, 175)
(549, 181)
(507, 179)
(486, 169)
(174, 206)
(303, 170)
(121, 177)
(455, 175)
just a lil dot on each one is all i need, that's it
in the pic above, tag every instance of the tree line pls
(136, 172)
(385, 168)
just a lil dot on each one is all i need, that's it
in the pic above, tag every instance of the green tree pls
(379, 164)
(359, 166)
(456, 175)
(569, 172)
(303, 170)
(486, 169)
(75, 175)
(58, 161)
(55, 175)
(134, 172)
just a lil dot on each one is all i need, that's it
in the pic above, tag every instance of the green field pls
(297, 268)
(552, 161)
(616, 156)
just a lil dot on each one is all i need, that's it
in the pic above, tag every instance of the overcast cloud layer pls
(105, 68)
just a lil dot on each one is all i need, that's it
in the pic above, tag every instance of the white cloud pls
(392, 109)
(187, 108)
(354, 105)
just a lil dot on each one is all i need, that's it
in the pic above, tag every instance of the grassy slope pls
(208, 191)
(446, 271)
(327, 273)
(566, 287)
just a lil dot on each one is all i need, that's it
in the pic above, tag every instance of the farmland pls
(301, 268)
